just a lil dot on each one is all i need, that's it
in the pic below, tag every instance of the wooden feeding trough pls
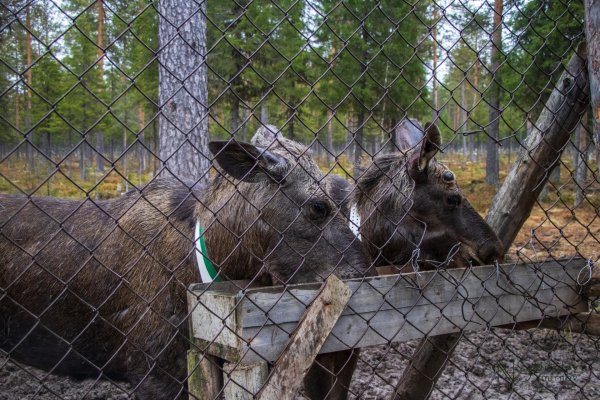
(247, 329)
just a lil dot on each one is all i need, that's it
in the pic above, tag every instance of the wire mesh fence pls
(178, 178)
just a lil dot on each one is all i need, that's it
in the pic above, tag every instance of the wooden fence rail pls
(253, 326)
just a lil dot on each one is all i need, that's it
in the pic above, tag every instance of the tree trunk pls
(553, 181)
(358, 141)
(435, 111)
(183, 94)
(291, 115)
(511, 207)
(99, 135)
(82, 170)
(472, 152)
(17, 110)
(330, 158)
(99, 149)
(235, 115)
(264, 112)
(124, 155)
(141, 140)
(141, 149)
(463, 117)
(580, 159)
(29, 110)
(492, 167)
(592, 31)
(349, 135)
(244, 124)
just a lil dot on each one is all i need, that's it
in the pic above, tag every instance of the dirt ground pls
(20, 382)
(496, 364)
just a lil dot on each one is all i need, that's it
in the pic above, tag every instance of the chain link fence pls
(164, 164)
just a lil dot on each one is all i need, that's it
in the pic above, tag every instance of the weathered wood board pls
(256, 324)
(291, 367)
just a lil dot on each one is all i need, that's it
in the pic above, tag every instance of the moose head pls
(276, 199)
(412, 209)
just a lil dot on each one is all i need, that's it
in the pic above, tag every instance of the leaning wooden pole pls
(592, 33)
(288, 373)
(511, 206)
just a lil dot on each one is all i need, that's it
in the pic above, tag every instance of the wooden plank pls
(587, 323)
(300, 352)
(271, 306)
(213, 314)
(369, 329)
(244, 381)
(397, 307)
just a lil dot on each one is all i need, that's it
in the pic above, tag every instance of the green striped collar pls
(207, 270)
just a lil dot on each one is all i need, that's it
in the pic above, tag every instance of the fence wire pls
(162, 162)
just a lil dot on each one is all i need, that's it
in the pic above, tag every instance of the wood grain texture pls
(204, 382)
(243, 381)
(393, 308)
(291, 367)
(587, 323)
(592, 33)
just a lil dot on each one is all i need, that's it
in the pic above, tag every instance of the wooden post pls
(205, 377)
(592, 32)
(511, 206)
(243, 381)
(291, 367)
(515, 199)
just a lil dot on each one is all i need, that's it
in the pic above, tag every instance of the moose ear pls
(430, 145)
(247, 162)
(408, 134)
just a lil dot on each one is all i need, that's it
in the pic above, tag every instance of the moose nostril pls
(490, 251)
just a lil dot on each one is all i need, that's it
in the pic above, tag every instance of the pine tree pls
(492, 167)
(183, 92)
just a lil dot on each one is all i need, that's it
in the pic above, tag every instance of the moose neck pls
(234, 233)
(383, 198)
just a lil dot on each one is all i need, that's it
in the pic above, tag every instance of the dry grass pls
(65, 182)
(555, 227)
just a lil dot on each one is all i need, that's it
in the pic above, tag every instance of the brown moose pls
(408, 210)
(98, 289)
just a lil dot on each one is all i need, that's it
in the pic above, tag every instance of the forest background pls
(81, 111)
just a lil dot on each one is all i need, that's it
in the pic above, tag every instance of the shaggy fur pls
(413, 214)
(96, 289)
(409, 213)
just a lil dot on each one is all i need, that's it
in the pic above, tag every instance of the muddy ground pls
(498, 364)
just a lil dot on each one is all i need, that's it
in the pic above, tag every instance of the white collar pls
(354, 222)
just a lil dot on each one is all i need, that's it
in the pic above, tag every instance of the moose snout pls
(490, 251)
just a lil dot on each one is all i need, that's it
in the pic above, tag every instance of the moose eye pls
(453, 200)
(448, 176)
(318, 210)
